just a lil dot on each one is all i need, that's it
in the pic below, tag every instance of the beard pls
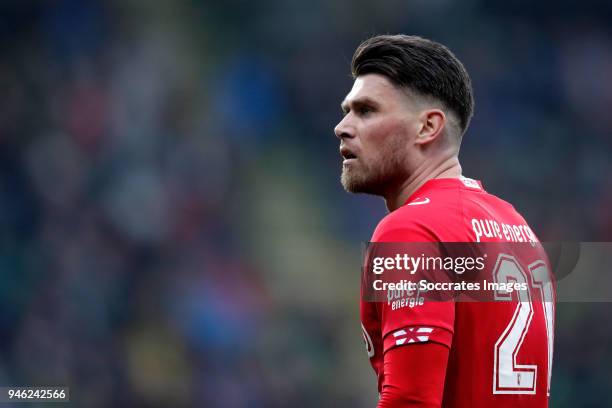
(377, 177)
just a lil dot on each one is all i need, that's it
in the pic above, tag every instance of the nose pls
(343, 130)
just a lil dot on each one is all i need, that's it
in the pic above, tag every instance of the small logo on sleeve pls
(412, 335)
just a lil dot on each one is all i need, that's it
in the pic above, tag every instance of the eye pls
(364, 110)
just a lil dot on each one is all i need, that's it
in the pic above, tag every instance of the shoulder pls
(409, 223)
(435, 214)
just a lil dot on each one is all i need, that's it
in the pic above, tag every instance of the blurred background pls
(172, 227)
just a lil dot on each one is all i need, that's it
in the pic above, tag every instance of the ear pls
(432, 123)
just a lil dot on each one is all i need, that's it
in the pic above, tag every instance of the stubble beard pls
(376, 178)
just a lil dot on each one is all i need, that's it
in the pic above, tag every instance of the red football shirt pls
(500, 352)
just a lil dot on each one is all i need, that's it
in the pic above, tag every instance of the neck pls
(449, 168)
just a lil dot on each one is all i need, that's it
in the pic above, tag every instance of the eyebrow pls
(358, 102)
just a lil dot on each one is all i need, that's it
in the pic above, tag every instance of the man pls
(404, 118)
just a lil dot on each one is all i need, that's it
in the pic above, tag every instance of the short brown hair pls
(421, 65)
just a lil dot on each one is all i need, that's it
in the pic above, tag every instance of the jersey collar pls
(446, 183)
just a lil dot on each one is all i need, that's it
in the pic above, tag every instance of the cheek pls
(384, 137)
(376, 133)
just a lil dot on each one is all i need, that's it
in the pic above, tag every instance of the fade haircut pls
(422, 66)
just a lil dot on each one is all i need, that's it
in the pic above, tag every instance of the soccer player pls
(404, 118)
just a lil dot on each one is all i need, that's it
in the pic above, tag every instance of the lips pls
(347, 154)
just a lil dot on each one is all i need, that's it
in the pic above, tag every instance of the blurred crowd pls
(172, 227)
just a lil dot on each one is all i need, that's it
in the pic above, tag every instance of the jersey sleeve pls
(414, 377)
(408, 317)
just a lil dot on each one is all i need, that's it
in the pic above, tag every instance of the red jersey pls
(500, 353)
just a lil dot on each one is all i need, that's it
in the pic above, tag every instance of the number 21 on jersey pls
(509, 375)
